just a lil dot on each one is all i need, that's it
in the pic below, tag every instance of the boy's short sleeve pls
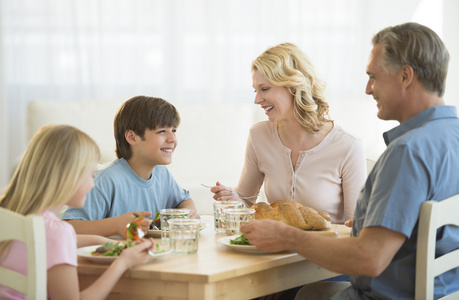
(94, 208)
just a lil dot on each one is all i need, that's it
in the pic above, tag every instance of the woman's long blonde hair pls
(51, 170)
(286, 65)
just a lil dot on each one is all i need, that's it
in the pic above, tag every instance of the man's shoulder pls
(430, 131)
(430, 142)
(433, 121)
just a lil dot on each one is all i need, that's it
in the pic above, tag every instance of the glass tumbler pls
(219, 213)
(235, 217)
(184, 235)
(171, 213)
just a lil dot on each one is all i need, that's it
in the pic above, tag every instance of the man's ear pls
(407, 75)
(130, 137)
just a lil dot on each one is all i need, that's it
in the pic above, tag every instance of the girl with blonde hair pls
(299, 153)
(56, 170)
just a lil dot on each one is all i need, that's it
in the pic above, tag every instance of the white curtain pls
(4, 166)
(183, 51)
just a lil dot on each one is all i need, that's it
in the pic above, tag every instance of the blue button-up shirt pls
(421, 163)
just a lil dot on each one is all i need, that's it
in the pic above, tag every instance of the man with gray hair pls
(407, 72)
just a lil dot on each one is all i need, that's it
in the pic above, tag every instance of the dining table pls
(216, 271)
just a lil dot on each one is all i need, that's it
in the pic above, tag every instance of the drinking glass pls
(170, 213)
(219, 213)
(184, 235)
(235, 217)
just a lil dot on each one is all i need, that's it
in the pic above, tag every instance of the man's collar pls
(436, 112)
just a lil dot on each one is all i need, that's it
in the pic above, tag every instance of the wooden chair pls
(30, 230)
(434, 214)
(370, 164)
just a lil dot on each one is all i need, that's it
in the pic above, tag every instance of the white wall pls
(359, 115)
(4, 166)
(451, 39)
(354, 111)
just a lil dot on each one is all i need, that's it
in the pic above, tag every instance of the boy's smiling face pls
(157, 146)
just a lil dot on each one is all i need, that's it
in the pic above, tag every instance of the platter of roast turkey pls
(295, 214)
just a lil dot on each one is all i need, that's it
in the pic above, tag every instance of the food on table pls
(292, 213)
(156, 222)
(133, 228)
(111, 249)
(115, 249)
(240, 240)
(133, 232)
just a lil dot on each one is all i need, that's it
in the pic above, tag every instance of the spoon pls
(231, 190)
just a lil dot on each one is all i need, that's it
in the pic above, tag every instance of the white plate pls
(157, 233)
(331, 232)
(86, 253)
(244, 248)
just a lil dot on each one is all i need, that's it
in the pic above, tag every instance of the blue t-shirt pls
(118, 190)
(421, 163)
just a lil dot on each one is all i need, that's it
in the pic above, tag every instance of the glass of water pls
(219, 213)
(235, 217)
(184, 235)
(170, 213)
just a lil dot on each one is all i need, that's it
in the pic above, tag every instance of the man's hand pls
(266, 235)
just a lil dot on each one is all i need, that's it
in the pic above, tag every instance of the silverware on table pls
(231, 190)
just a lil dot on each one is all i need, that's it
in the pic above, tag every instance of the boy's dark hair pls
(138, 114)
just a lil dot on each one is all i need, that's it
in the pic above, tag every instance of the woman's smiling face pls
(276, 101)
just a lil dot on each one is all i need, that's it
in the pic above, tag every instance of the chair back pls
(30, 230)
(370, 164)
(434, 214)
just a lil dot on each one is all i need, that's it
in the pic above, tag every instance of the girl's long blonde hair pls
(50, 171)
(286, 65)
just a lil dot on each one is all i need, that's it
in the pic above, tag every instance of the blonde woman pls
(300, 153)
(58, 169)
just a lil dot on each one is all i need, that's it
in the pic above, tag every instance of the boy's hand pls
(194, 215)
(129, 217)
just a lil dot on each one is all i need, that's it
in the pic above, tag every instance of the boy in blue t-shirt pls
(138, 182)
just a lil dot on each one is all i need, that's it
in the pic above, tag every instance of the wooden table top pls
(213, 263)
